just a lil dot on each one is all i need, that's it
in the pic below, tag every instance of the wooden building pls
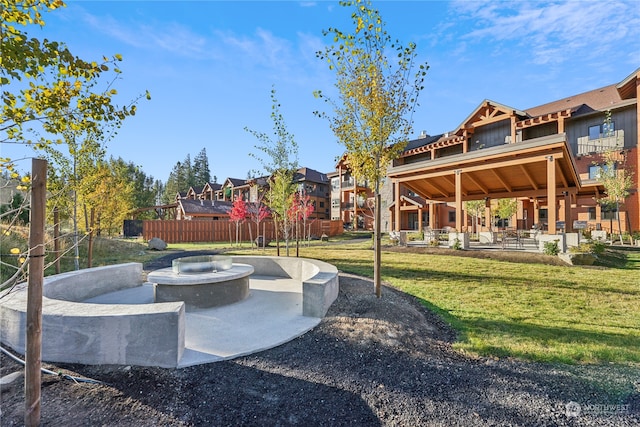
(548, 157)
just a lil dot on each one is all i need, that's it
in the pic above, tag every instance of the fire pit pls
(202, 281)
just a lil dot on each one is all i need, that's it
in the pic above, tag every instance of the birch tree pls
(280, 163)
(377, 95)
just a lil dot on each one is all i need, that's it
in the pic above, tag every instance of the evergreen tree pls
(201, 172)
(175, 184)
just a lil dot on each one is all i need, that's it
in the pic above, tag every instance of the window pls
(322, 204)
(452, 216)
(591, 213)
(594, 132)
(335, 183)
(602, 131)
(596, 171)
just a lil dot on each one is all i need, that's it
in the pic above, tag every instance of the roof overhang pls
(510, 170)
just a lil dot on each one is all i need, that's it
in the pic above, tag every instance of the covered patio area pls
(541, 172)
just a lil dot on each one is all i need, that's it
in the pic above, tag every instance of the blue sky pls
(210, 66)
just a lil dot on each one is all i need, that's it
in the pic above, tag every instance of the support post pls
(396, 207)
(551, 195)
(33, 362)
(459, 201)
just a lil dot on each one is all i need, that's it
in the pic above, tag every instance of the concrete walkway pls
(271, 315)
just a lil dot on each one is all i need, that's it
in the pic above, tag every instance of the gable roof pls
(594, 100)
(235, 182)
(488, 111)
(214, 186)
(205, 207)
(312, 175)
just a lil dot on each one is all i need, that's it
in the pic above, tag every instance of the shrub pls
(551, 248)
(456, 244)
(598, 246)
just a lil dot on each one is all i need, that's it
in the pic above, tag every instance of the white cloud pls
(553, 32)
(171, 37)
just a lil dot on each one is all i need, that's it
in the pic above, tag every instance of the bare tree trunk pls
(275, 230)
(376, 232)
(56, 237)
(90, 249)
(33, 362)
(619, 223)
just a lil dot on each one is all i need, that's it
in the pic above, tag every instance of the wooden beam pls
(418, 190)
(562, 177)
(477, 182)
(438, 188)
(527, 174)
(479, 165)
(501, 179)
(489, 120)
(451, 180)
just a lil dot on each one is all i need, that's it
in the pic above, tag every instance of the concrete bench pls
(134, 334)
(77, 332)
(320, 283)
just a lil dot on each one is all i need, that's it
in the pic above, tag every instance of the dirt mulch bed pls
(371, 361)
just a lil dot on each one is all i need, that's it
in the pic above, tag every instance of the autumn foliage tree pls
(617, 180)
(377, 97)
(46, 89)
(53, 99)
(300, 211)
(238, 215)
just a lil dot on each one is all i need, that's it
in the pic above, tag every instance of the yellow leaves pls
(118, 56)
(25, 180)
(148, 95)
(15, 251)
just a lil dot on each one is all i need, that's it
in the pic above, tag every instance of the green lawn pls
(505, 309)
(510, 309)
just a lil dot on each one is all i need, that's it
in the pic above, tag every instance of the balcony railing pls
(600, 145)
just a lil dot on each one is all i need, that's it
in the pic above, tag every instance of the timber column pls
(551, 194)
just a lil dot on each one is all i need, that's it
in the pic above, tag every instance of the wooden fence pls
(177, 231)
